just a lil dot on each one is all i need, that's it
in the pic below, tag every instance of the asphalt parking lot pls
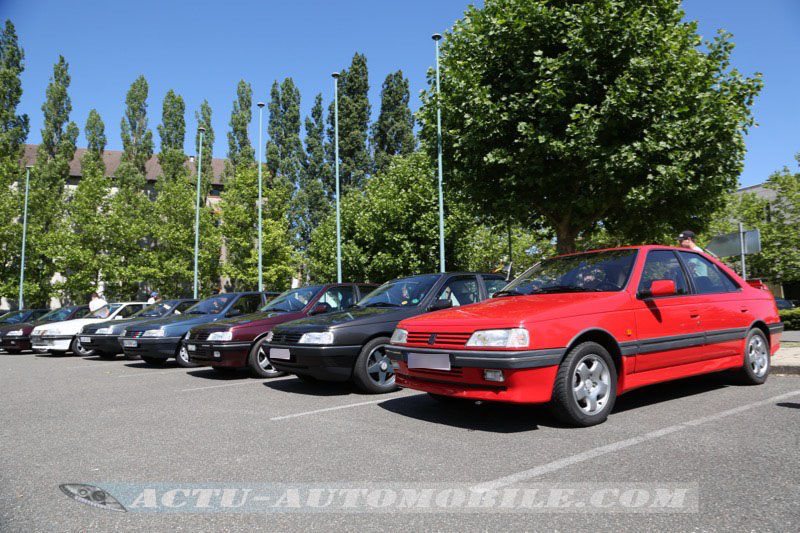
(124, 425)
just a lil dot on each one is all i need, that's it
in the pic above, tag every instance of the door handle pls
(744, 309)
(694, 313)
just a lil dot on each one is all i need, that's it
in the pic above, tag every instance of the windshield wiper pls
(382, 304)
(197, 312)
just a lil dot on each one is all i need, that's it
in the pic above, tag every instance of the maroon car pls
(237, 343)
(17, 337)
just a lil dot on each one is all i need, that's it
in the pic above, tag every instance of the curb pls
(786, 370)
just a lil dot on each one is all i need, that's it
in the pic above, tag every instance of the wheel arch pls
(604, 339)
(760, 324)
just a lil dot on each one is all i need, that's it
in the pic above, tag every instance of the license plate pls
(129, 343)
(191, 347)
(431, 361)
(279, 353)
(85, 340)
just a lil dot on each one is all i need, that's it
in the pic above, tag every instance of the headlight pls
(399, 336)
(501, 338)
(105, 331)
(317, 337)
(51, 332)
(154, 333)
(14, 333)
(124, 332)
(269, 336)
(221, 336)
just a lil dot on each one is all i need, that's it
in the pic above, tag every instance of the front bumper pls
(528, 375)
(58, 343)
(328, 363)
(15, 343)
(101, 343)
(232, 354)
(156, 347)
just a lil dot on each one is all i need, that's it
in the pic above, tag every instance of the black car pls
(350, 344)
(103, 337)
(17, 337)
(23, 315)
(155, 341)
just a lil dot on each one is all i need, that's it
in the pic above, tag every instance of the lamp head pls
(335, 74)
(436, 36)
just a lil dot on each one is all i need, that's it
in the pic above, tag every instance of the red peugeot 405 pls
(577, 330)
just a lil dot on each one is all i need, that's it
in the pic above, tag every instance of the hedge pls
(791, 318)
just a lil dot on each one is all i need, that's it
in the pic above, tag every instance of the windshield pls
(403, 292)
(589, 272)
(13, 317)
(57, 314)
(212, 306)
(154, 310)
(293, 299)
(104, 311)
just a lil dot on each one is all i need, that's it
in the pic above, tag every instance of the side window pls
(663, 264)
(366, 289)
(129, 310)
(706, 276)
(338, 298)
(494, 285)
(80, 313)
(37, 314)
(183, 306)
(249, 303)
(461, 290)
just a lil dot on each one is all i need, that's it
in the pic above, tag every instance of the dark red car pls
(17, 337)
(237, 343)
(578, 330)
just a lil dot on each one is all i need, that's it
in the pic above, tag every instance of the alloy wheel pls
(591, 383)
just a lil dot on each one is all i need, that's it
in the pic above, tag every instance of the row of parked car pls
(574, 331)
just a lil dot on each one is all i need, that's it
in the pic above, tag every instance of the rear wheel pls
(755, 369)
(586, 386)
(373, 371)
(259, 363)
(77, 348)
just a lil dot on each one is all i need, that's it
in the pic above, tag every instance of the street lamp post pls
(336, 159)
(201, 129)
(436, 37)
(24, 236)
(260, 148)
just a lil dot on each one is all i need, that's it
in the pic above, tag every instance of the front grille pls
(286, 338)
(133, 334)
(200, 335)
(440, 339)
(454, 372)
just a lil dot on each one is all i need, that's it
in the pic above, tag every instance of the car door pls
(667, 327)
(724, 315)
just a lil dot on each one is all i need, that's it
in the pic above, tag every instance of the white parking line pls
(614, 446)
(136, 375)
(328, 409)
(249, 382)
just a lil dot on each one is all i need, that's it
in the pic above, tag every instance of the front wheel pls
(373, 371)
(586, 386)
(259, 363)
(755, 369)
(182, 357)
(77, 348)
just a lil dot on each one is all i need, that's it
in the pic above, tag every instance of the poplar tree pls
(203, 118)
(354, 114)
(393, 133)
(240, 151)
(13, 132)
(47, 196)
(137, 139)
(83, 236)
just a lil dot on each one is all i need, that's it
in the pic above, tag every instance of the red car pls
(578, 330)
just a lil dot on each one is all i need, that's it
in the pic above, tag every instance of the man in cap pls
(154, 297)
(686, 240)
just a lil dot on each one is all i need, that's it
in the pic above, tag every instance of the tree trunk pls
(565, 238)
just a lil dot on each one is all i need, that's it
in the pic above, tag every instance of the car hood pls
(118, 325)
(67, 327)
(253, 319)
(22, 325)
(357, 316)
(513, 311)
(180, 322)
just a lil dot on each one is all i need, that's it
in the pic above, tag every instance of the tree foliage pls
(393, 133)
(240, 150)
(203, 117)
(137, 138)
(589, 114)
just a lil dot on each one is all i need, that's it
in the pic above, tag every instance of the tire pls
(585, 387)
(756, 365)
(78, 350)
(258, 362)
(155, 361)
(107, 356)
(182, 357)
(373, 372)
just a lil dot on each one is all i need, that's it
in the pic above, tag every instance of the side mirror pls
(440, 304)
(659, 287)
(319, 309)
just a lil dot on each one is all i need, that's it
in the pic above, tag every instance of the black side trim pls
(484, 359)
(663, 344)
(775, 328)
(628, 349)
(725, 335)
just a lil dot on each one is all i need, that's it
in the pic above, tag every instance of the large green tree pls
(588, 114)
(354, 114)
(393, 133)
(240, 150)
(13, 132)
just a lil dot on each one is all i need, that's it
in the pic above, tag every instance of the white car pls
(62, 337)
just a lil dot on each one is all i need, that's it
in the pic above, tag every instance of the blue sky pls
(202, 49)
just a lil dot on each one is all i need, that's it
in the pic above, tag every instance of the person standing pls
(96, 302)
(154, 297)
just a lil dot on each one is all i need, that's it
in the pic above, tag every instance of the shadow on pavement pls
(219, 375)
(320, 388)
(790, 405)
(489, 416)
(142, 364)
(672, 390)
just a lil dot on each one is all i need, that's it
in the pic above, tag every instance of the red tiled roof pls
(112, 159)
